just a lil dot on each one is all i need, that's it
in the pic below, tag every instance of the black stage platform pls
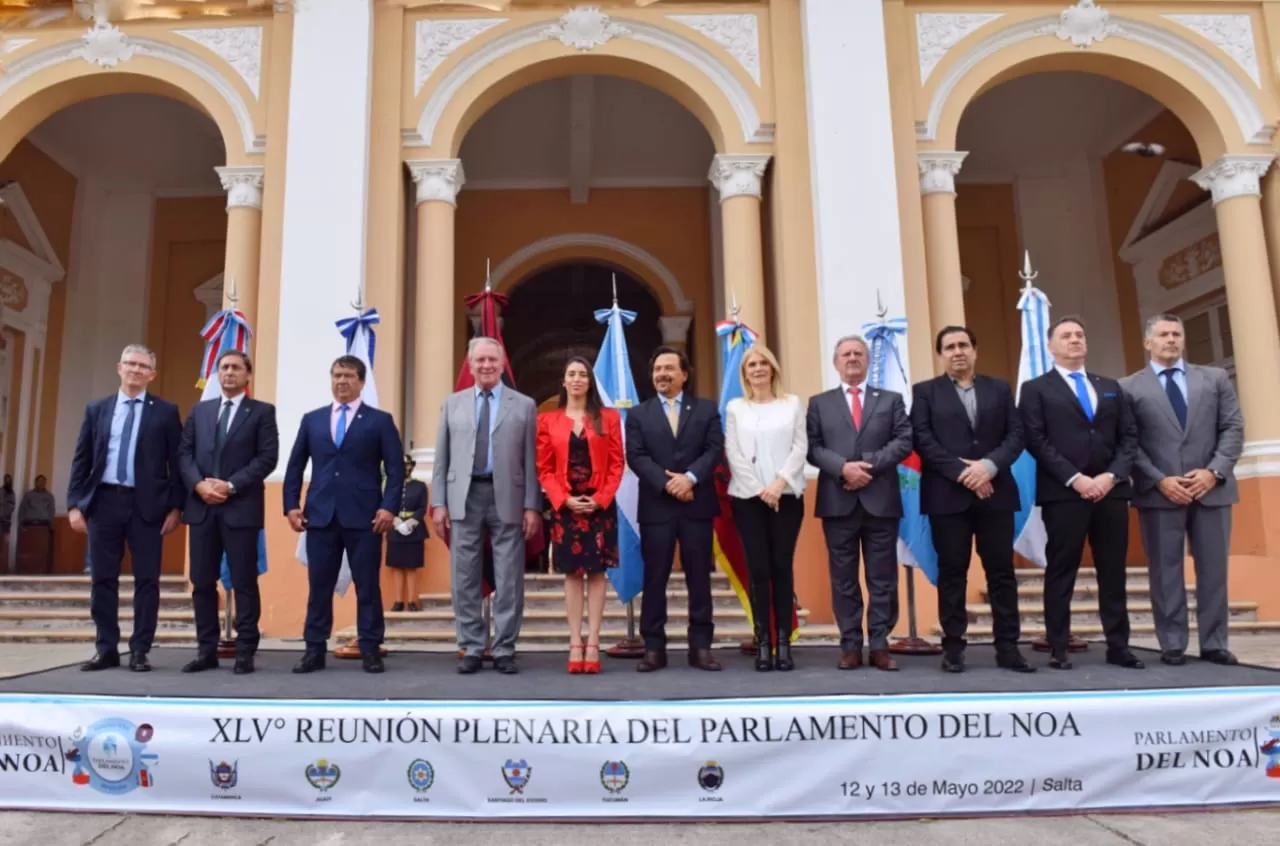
(432, 676)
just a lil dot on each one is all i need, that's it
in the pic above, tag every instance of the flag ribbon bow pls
(735, 333)
(882, 338)
(348, 325)
(226, 330)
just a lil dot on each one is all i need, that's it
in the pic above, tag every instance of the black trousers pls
(1106, 526)
(953, 539)
(658, 547)
(324, 562)
(114, 522)
(209, 540)
(878, 539)
(769, 540)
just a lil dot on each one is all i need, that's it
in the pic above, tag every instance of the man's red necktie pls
(857, 409)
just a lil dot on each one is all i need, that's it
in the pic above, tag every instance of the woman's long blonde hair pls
(775, 383)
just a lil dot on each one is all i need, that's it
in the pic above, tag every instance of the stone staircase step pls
(543, 595)
(164, 637)
(1028, 577)
(1032, 614)
(726, 634)
(62, 618)
(48, 584)
(1088, 591)
(79, 599)
(1093, 631)
(536, 619)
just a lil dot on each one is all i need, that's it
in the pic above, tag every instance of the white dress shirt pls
(765, 442)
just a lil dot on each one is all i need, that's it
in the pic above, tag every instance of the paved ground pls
(1242, 828)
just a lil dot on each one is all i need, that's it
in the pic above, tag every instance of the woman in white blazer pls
(766, 443)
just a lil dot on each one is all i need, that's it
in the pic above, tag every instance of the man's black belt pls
(482, 477)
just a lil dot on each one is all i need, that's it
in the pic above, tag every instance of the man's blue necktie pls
(341, 434)
(1082, 394)
(126, 436)
(1176, 399)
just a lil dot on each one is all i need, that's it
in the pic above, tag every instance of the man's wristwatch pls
(231, 489)
(1221, 478)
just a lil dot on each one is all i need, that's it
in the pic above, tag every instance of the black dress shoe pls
(101, 662)
(310, 663)
(244, 665)
(1220, 656)
(469, 664)
(1124, 658)
(372, 663)
(1013, 660)
(399, 606)
(202, 663)
(953, 662)
(1059, 660)
(138, 662)
(652, 662)
(1173, 657)
(506, 665)
(764, 655)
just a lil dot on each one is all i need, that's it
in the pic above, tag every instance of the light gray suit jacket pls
(1212, 440)
(515, 472)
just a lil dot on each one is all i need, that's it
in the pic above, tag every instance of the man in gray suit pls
(1190, 433)
(485, 477)
(857, 436)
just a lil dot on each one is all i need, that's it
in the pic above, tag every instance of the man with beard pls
(674, 442)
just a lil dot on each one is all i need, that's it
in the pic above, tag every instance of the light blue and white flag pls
(1029, 534)
(888, 370)
(360, 342)
(618, 390)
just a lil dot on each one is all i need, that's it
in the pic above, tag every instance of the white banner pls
(835, 756)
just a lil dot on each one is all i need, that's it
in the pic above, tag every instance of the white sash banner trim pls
(900, 756)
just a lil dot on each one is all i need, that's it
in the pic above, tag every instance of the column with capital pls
(675, 330)
(739, 177)
(1235, 184)
(938, 171)
(438, 181)
(243, 185)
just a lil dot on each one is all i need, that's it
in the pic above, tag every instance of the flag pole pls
(227, 646)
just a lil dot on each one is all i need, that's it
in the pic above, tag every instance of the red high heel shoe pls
(592, 667)
(578, 666)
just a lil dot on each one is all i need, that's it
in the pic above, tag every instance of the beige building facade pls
(817, 163)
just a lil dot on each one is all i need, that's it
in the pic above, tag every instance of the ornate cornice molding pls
(438, 180)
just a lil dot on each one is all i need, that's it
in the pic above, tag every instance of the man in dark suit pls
(1080, 430)
(968, 434)
(229, 446)
(674, 442)
(124, 488)
(857, 437)
(348, 510)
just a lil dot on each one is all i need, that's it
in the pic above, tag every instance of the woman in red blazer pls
(580, 466)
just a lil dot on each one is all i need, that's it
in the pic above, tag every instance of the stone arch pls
(44, 81)
(1217, 106)
(500, 64)
(607, 249)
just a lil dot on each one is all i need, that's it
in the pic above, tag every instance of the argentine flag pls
(618, 390)
(888, 371)
(1029, 534)
(360, 340)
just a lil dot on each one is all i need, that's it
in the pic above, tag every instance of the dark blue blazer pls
(652, 450)
(346, 482)
(248, 457)
(158, 488)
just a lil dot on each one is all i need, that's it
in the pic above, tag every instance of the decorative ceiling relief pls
(13, 292)
(1233, 34)
(238, 46)
(584, 28)
(1191, 262)
(435, 41)
(936, 33)
(1083, 24)
(739, 35)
